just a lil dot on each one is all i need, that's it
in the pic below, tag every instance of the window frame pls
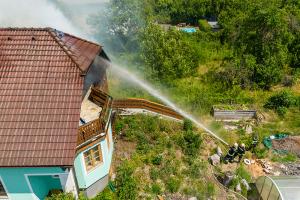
(92, 163)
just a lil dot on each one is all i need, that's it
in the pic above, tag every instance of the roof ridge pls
(48, 29)
(83, 39)
(25, 28)
(65, 48)
(81, 60)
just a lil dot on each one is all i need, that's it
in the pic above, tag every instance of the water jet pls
(131, 77)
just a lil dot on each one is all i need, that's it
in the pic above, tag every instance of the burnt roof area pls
(41, 81)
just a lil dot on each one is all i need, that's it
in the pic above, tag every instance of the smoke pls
(34, 13)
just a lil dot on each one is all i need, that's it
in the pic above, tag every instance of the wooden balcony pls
(89, 130)
(96, 127)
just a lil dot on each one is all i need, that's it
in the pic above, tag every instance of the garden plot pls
(289, 144)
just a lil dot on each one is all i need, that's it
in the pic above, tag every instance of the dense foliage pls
(281, 102)
(125, 182)
(168, 55)
(263, 36)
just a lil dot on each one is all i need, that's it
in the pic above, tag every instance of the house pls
(55, 114)
(214, 25)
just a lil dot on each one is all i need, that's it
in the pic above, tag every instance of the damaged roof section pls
(89, 110)
(41, 86)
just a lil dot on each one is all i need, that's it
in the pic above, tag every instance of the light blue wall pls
(86, 179)
(41, 185)
(16, 184)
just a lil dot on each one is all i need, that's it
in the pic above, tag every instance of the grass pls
(197, 94)
(161, 163)
(290, 157)
(290, 123)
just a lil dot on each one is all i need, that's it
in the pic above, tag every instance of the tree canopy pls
(263, 36)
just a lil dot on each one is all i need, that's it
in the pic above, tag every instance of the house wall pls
(17, 184)
(86, 179)
(41, 184)
(69, 182)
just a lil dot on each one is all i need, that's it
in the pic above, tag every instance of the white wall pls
(68, 183)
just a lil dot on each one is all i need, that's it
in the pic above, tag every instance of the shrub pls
(150, 124)
(196, 169)
(261, 152)
(173, 184)
(156, 189)
(143, 143)
(106, 194)
(157, 160)
(190, 143)
(233, 183)
(281, 99)
(246, 139)
(243, 173)
(203, 25)
(125, 183)
(154, 174)
(281, 111)
(170, 167)
(61, 196)
(187, 125)
(119, 126)
(211, 190)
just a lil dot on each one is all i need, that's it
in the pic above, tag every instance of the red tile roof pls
(40, 95)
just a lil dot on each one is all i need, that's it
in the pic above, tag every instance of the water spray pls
(133, 78)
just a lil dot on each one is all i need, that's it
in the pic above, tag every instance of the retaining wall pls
(234, 114)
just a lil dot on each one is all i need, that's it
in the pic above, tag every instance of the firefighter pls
(231, 153)
(254, 143)
(241, 151)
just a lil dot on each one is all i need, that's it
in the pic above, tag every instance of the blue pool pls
(188, 30)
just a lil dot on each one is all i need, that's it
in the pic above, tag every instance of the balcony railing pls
(89, 130)
(98, 126)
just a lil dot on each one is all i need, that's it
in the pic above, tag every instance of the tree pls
(260, 29)
(293, 18)
(118, 25)
(167, 54)
(189, 11)
(295, 52)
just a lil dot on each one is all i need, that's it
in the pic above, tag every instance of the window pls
(93, 157)
(2, 191)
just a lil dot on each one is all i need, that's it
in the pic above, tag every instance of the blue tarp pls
(268, 141)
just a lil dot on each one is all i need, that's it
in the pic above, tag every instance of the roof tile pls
(40, 95)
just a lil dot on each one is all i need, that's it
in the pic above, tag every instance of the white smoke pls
(34, 13)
